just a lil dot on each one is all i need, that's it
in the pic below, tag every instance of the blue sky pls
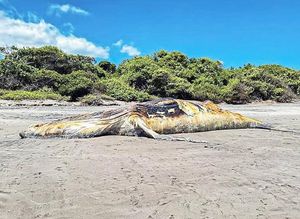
(233, 31)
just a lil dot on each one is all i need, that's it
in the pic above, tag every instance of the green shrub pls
(283, 95)
(50, 58)
(267, 86)
(77, 84)
(14, 75)
(175, 61)
(236, 92)
(202, 67)
(120, 90)
(158, 82)
(29, 95)
(289, 76)
(204, 89)
(179, 88)
(46, 78)
(107, 66)
(93, 69)
(137, 71)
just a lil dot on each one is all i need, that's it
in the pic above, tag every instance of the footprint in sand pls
(4, 198)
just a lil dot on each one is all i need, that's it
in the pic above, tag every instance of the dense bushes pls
(50, 58)
(204, 88)
(255, 83)
(30, 95)
(77, 84)
(45, 78)
(120, 90)
(15, 75)
(163, 74)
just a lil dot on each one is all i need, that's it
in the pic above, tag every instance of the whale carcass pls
(154, 119)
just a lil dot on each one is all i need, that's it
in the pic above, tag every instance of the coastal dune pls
(249, 173)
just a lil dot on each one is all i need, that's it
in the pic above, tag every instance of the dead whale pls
(153, 119)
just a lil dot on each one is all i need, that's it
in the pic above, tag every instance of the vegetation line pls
(47, 72)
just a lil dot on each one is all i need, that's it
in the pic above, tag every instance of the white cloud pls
(26, 34)
(130, 50)
(118, 43)
(68, 28)
(66, 8)
(32, 17)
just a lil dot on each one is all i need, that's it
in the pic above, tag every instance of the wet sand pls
(238, 174)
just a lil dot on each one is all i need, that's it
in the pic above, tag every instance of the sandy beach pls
(238, 174)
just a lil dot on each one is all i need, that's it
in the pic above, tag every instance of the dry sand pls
(239, 174)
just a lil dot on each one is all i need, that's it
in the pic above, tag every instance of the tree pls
(50, 58)
(15, 75)
(46, 78)
(158, 82)
(107, 66)
(77, 84)
(137, 71)
(175, 61)
(122, 91)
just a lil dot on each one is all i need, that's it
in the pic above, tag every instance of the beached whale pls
(153, 119)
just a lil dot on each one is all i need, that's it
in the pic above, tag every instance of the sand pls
(238, 174)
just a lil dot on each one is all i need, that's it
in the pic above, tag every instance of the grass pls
(30, 95)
